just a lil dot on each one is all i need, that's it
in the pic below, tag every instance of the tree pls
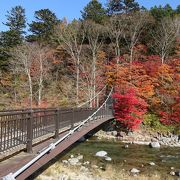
(178, 9)
(116, 28)
(16, 19)
(129, 109)
(30, 61)
(94, 11)
(16, 22)
(8, 39)
(42, 27)
(122, 6)
(136, 24)
(160, 12)
(164, 37)
(95, 40)
(71, 37)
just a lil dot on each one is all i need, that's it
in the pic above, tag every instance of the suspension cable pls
(52, 146)
(93, 97)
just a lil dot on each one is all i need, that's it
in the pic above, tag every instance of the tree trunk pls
(40, 82)
(94, 75)
(77, 81)
(30, 90)
(117, 50)
(131, 55)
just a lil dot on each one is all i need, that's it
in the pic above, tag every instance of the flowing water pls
(135, 156)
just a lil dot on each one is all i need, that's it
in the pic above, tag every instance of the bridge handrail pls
(52, 146)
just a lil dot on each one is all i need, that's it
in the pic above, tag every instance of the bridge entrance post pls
(29, 133)
(57, 119)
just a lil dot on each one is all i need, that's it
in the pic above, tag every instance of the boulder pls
(64, 161)
(134, 170)
(84, 169)
(177, 173)
(114, 133)
(73, 161)
(86, 163)
(80, 157)
(154, 145)
(108, 158)
(95, 166)
(101, 153)
(172, 173)
(126, 146)
(152, 164)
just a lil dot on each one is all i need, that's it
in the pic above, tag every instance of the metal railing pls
(22, 127)
(103, 111)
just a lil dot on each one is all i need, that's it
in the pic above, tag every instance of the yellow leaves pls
(101, 56)
(165, 73)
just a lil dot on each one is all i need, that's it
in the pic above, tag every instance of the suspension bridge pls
(29, 139)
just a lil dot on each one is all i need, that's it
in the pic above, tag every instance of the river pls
(166, 159)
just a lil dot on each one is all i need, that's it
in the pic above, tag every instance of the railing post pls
(29, 133)
(72, 119)
(57, 118)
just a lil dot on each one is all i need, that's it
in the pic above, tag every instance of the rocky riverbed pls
(143, 137)
(98, 159)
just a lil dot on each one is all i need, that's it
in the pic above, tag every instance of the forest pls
(52, 62)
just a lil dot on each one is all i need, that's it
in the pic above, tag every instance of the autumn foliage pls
(154, 85)
(129, 109)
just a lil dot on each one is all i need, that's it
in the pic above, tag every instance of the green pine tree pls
(122, 6)
(16, 23)
(42, 27)
(94, 11)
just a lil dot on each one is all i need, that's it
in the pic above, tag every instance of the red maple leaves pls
(129, 109)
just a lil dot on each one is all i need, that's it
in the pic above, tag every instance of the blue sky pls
(63, 8)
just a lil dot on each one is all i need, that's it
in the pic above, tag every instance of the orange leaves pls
(165, 73)
(156, 83)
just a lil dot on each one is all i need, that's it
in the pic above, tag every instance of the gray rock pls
(126, 146)
(134, 170)
(80, 157)
(108, 158)
(130, 134)
(122, 134)
(177, 173)
(114, 133)
(172, 173)
(73, 161)
(152, 164)
(86, 163)
(108, 133)
(64, 161)
(84, 169)
(101, 153)
(154, 145)
(95, 166)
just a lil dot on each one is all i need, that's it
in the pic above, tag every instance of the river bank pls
(144, 137)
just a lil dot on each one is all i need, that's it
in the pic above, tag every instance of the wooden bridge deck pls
(14, 163)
